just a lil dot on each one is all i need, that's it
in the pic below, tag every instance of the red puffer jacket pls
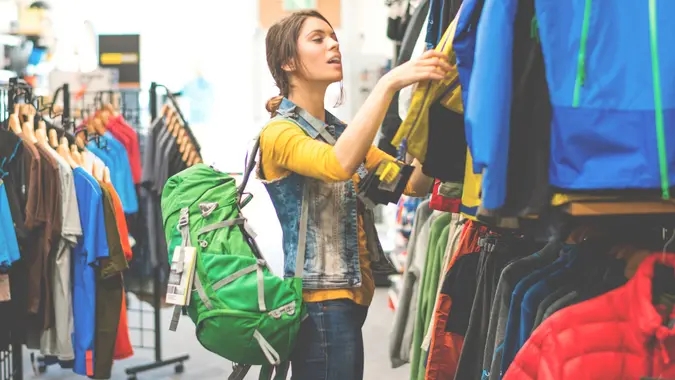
(618, 335)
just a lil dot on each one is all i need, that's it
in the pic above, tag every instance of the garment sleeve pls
(285, 147)
(534, 360)
(373, 159)
(96, 236)
(491, 90)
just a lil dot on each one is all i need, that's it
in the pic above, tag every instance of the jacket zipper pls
(581, 58)
(658, 106)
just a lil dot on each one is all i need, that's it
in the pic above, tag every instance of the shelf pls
(608, 208)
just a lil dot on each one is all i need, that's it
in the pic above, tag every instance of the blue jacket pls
(608, 110)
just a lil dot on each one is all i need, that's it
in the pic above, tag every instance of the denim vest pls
(332, 248)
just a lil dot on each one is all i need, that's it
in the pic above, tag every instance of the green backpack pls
(242, 311)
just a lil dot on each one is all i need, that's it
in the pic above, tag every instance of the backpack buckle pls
(288, 309)
(184, 219)
(207, 208)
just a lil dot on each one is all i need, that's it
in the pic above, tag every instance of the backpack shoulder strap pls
(251, 162)
(302, 233)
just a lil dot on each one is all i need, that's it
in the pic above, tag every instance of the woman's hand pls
(352, 146)
(432, 65)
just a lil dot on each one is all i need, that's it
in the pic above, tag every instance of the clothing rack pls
(11, 361)
(157, 291)
(174, 103)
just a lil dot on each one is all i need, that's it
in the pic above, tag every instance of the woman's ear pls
(288, 67)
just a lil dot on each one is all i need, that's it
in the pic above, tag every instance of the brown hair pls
(281, 45)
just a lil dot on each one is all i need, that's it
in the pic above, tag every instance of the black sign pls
(122, 52)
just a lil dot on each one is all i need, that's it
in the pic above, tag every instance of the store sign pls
(123, 53)
(271, 11)
(80, 82)
(296, 5)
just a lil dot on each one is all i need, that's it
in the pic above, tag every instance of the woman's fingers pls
(433, 54)
(435, 62)
(430, 72)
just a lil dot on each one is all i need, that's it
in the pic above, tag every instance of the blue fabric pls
(612, 132)
(330, 342)
(464, 45)
(322, 270)
(535, 295)
(9, 247)
(92, 246)
(114, 156)
(493, 65)
(434, 31)
(512, 335)
(606, 141)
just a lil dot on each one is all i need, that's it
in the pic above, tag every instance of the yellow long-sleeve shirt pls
(285, 148)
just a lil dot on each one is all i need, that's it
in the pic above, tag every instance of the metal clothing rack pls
(157, 272)
(11, 361)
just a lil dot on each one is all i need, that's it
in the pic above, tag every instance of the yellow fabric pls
(415, 127)
(285, 148)
(472, 189)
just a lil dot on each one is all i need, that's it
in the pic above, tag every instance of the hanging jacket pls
(610, 71)
(619, 335)
(392, 121)
(433, 130)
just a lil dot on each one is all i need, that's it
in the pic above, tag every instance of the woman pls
(306, 153)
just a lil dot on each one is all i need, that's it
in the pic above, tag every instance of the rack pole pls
(157, 295)
(11, 365)
(11, 95)
(153, 101)
(66, 102)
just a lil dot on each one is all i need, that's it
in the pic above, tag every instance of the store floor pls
(204, 365)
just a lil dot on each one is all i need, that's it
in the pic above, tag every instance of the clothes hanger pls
(28, 131)
(79, 141)
(53, 138)
(14, 124)
(178, 126)
(116, 104)
(86, 164)
(186, 153)
(182, 140)
(77, 157)
(41, 136)
(192, 159)
(63, 151)
(169, 113)
(172, 123)
(99, 126)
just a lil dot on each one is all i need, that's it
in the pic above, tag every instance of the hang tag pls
(450, 190)
(362, 171)
(132, 241)
(5, 293)
(179, 287)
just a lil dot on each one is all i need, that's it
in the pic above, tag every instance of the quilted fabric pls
(619, 335)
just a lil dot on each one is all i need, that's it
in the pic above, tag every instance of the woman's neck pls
(310, 99)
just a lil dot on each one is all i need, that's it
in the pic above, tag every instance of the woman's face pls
(319, 52)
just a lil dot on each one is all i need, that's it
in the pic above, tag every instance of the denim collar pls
(289, 109)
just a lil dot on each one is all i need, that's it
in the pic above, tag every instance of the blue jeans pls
(330, 343)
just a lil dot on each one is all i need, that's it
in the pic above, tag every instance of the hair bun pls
(273, 104)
